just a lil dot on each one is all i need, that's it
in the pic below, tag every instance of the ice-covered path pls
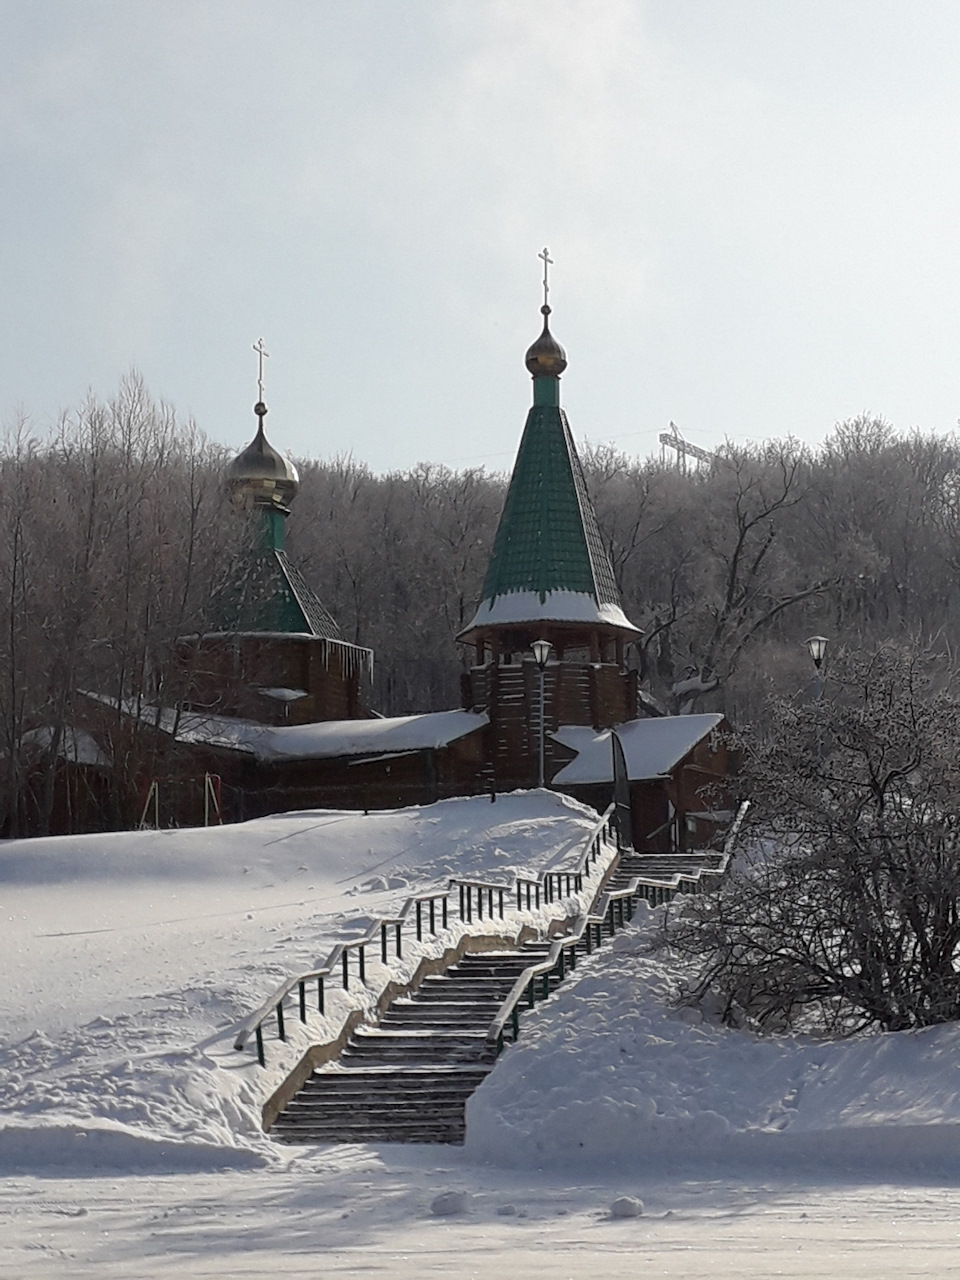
(360, 1211)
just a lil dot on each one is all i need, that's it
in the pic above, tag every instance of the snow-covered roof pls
(555, 606)
(283, 695)
(75, 745)
(324, 739)
(651, 747)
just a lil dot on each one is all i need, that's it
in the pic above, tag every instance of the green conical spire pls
(548, 561)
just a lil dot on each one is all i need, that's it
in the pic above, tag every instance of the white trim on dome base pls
(518, 608)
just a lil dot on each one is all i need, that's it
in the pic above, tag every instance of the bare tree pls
(852, 915)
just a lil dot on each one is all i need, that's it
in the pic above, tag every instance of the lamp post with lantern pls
(818, 648)
(541, 652)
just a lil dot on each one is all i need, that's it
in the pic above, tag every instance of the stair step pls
(420, 1134)
(349, 1106)
(385, 1080)
(332, 1112)
(424, 1051)
(408, 1079)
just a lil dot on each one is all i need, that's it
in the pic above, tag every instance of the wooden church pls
(275, 707)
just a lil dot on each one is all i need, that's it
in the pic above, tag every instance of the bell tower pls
(549, 578)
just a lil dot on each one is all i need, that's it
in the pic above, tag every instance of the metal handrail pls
(531, 893)
(555, 958)
(611, 904)
(339, 956)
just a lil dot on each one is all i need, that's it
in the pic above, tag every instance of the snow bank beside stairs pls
(611, 1073)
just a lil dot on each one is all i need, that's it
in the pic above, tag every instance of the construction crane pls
(674, 440)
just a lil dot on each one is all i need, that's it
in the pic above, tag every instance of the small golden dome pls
(546, 357)
(262, 475)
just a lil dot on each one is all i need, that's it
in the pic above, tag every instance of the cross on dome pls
(264, 354)
(547, 263)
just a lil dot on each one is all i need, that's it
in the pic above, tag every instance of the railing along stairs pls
(475, 900)
(407, 1077)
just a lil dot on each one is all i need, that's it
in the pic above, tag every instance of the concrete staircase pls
(408, 1078)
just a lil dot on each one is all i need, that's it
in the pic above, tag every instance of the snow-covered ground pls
(130, 1142)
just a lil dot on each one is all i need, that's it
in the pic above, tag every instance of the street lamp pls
(541, 652)
(818, 648)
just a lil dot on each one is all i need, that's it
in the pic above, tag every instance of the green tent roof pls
(548, 539)
(267, 593)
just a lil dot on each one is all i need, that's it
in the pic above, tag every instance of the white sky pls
(752, 205)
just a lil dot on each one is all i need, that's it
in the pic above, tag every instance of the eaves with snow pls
(515, 608)
(322, 740)
(651, 748)
(74, 745)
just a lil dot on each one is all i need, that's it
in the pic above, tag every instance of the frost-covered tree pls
(852, 915)
(112, 533)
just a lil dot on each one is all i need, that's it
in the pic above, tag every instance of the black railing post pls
(444, 900)
(303, 999)
(383, 944)
(260, 1054)
(362, 956)
(501, 904)
(320, 993)
(433, 917)
(419, 920)
(281, 1030)
(346, 972)
(399, 942)
(515, 1019)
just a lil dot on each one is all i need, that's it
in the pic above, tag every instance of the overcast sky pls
(753, 207)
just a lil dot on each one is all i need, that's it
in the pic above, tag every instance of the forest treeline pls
(115, 534)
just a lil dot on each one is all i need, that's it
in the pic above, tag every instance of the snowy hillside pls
(128, 960)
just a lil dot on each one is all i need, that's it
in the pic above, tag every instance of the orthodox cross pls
(261, 352)
(547, 262)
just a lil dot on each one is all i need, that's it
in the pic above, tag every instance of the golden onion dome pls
(262, 475)
(546, 357)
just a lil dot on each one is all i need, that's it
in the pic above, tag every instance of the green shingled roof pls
(268, 593)
(548, 538)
